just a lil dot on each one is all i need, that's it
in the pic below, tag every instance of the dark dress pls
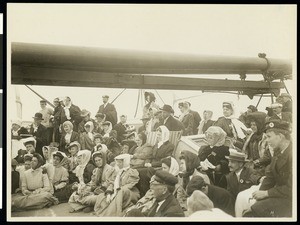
(216, 156)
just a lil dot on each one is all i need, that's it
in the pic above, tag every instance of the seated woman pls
(83, 172)
(99, 147)
(86, 139)
(143, 152)
(234, 128)
(256, 146)
(61, 177)
(122, 193)
(67, 137)
(35, 188)
(103, 176)
(163, 148)
(190, 166)
(212, 157)
(73, 149)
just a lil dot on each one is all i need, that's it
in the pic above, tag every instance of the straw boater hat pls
(237, 156)
(29, 140)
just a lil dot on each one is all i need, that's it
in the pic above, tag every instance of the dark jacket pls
(287, 107)
(57, 116)
(121, 130)
(208, 124)
(248, 177)
(62, 144)
(188, 123)
(82, 123)
(22, 130)
(221, 198)
(197, 120)
(278, 183)
(173, 124)
(225, 124)
(110, 112)
(286, 116)
(41, 137)
(74, 114)
(170, 208)
(163, 151)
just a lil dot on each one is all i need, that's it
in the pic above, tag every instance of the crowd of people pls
(106, 167)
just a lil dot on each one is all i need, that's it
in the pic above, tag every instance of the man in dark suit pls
(221, 198)
(279, 115)
(169, 121)
(71, 113)
(197, 119)
(109, 110)
(274, 197)
(162, 185)
(39, 132)
(121, 128)
(240, 177)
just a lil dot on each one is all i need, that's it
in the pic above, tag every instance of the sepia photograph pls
(120, 112)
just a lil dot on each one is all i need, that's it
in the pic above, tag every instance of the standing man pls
(39, 132)
(71, 113)
(109, 110)
(47, 113)
(169, 121)
(56, 119)
(197, 118)
(274, 197)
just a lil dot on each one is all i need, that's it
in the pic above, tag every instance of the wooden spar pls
(139, 62)
(53, 77)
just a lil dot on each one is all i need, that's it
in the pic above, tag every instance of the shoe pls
(88, 209)
(72, 210)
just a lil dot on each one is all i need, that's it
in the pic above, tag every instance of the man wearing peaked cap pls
(274, 197)
(109, 110)
(241, 177)
(162, 185)
(169, 121)
(278, 114)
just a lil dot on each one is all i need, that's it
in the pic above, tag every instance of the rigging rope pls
(118, 96)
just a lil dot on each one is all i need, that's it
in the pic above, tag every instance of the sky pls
(228, 30)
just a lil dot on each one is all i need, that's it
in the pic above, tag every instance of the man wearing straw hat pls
(240, 177)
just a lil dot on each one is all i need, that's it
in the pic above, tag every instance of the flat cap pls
(165, 177)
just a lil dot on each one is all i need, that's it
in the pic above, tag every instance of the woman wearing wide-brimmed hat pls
(150, 99)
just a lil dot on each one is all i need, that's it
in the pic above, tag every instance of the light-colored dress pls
(35, 192)
(124, 194)
(87, 194)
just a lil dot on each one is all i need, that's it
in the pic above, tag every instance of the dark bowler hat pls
(167, 108)
(43, 101)
(236, 156)
(164, 177)
(279, 125)
(38, 116)
(105, 96)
